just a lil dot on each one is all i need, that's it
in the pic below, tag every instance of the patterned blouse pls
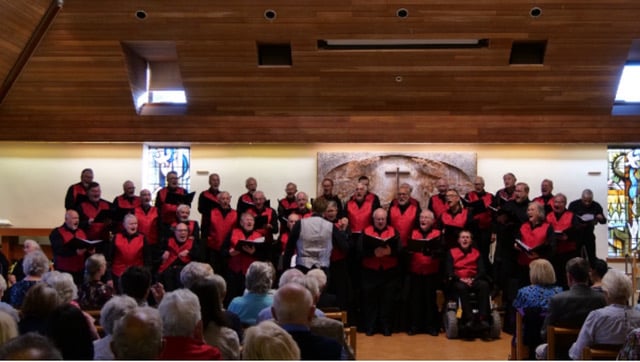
(535, 296)
(94, 294)
(631, 348)
(18, 291)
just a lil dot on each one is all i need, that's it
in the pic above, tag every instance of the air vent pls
(274, 54)
(528, 52)
(400, 44)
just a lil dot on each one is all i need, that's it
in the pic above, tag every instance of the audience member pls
(39, 302)
(17, 272)
(94, 293)
(5, 307)
(35, 264)
(8, 327)
(136, 283)
(194, 272)
(214, 321)
(68, 329)
(182, 328)
(325, 300)
(268, 341)
(293, 310)
(532, 302)
(29, 347)
(111, 312)
(631, 349)
(570, 308)
(611, 324)
(258, 283)
(138, 335)
(232, 318)
(599, 268)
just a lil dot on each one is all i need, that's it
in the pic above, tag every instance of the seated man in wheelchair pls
(466, 275)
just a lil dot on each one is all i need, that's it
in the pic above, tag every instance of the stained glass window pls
(622, 200)
(160, 160)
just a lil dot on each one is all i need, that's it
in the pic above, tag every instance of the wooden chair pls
(601, 352)
(559, 340)
(351, 333)
(340, 316)
(519, 351)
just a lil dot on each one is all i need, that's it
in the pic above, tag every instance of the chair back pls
(559, 340)
(601, 352)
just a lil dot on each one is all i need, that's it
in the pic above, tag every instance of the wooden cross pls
(397, 173)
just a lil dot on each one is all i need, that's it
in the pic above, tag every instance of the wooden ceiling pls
(75, 85)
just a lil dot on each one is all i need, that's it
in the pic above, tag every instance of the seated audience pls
(214, 321)
(136, 283)
(258, 283)
(29, 347)
(94, 293)
(182, 328)
(193, 272)
(38, 304)
(570, 308)
(5, 307)
(293, 309)
(598, 269)
(138, 335)
(268, 341)
(325, 300)
(17, 273)
(631, 349)
(68, 329)
(112, 310)
(532, 301)
(35, 264)
(232, 318)
(8, 327)
(611, 324)
(306, 281)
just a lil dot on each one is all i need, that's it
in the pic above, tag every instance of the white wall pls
(35, 176)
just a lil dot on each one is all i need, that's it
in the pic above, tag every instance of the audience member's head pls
(293, 304)
(180, 313)
(69, 330)
(541, 272)
(268, 341)
(95, 266)
(259, 277)
(138, 335)
(311, 284)
(30, 346)
(3, 286)
(114, 309)
(577, 271)
(30, 245)
(598, 269)
(63, 284)
(35, 264)
(210, 303)
(136, 282)
(193, 272)
(5, 307)
(221, 285)
(8, 327)
(320, 276)
(289, 275)
(617, 287)
(40, 301)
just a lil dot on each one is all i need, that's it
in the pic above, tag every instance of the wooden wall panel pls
(77, 79)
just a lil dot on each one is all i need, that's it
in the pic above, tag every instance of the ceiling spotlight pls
(402, 13)
(535, 12)
(141, 14)
(270, 14)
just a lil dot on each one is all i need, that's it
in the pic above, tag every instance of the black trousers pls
(481, 288)
(379, 288)
(423, 304)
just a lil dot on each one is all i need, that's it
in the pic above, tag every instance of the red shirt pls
(187, 348)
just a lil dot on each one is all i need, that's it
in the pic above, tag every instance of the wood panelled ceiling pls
(75, 87)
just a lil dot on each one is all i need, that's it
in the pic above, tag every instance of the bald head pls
(293, 304)
(71, 219)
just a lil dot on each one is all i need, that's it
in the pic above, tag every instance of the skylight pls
(629, 87)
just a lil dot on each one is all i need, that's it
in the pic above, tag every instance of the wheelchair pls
(458, 326)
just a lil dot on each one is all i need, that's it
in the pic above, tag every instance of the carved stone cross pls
(397, 173)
